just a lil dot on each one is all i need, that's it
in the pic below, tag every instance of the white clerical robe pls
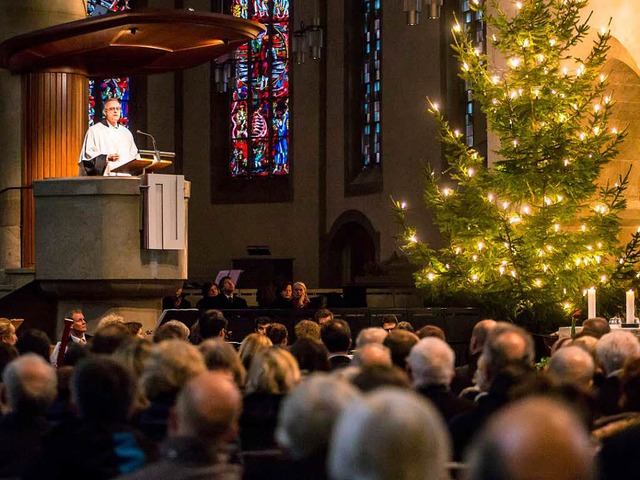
(103, 139)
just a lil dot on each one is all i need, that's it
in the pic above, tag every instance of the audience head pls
(311, 355)
(431, 331)
(336, 335)
(250, 346)
(285, 290)
(219, 355)
(508, 350)
(596, 327)
(212, 324)
(173, 329)
(79, 325)
(404, 325)
(307, 329)
(308, 414)
(278, 334)
(109, 337)
(261, 324)
(400, 342)
(587, 343)
(30, 385)
(572, 366)
(265, 296)
(369, 377)
(7, 332)
(102, 389)
(273, 371)
(389, 322)
(36, 341)
(135, 329)
(323, 315)
(614, 348)
(299, 296)
(479, 335)
(108, 319)
(370, 335)
(630, 385)
(170, 365)
(133, 354)
(533, 439)
(210, 289)
(389, 434)
(227, 285)
(207, 408)
(372, 354)
(432, 362)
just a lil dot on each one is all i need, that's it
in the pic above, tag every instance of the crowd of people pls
(314, 403)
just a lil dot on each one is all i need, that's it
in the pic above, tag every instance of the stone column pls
(56, 102)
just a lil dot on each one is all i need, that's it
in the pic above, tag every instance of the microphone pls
(155, 147)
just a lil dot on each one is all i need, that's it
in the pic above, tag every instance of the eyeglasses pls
(113, 109)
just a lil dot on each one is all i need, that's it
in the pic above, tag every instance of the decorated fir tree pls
(526, 236)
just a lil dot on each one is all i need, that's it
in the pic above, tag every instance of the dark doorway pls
(351, 248)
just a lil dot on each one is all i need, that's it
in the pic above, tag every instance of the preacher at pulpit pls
(107, 144)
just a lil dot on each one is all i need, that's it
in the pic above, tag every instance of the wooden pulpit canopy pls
(130, 43)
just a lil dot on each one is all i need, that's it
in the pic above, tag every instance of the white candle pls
(591, 302)
(631, 307)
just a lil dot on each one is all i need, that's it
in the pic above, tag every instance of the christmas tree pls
(527, 236)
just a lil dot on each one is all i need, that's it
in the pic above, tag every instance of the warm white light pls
(565, 71)
(514, 62)
(614, 131)
(603, 31)
(518, 5)
(598, 258)
(603, 279)
(431, 276)
(583, 136)
(552, 41)
(541, 58)
(436, 107)
(495, 79)
(515, 143)
(474, 277)
(457, 28)
(495, 101)
(456, 133)
(549, 248)
(515, 219)
(602, 77)
(556, 227)
(536, 92)
(501, 270)
(607, 99)
(446, 192)
(413, 239)
(505, 205)
(583, 228)
(538, 282)
(526, 209)
(458, 250)
(596, 107)
(470, 171)
(580, 70)
(474, 258)
(403, 205)
(480, 245)
(490, 197)
(513, 94)
(589, 247)
(560, 198)
(596, 130)
(465, 66)
(566, 162)
(494, 38)
(513, 273)
(547, 201)
(525, 43)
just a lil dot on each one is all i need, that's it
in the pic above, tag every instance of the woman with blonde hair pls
(300, 298)
(252, 344)
(273, 373)
(7, 332)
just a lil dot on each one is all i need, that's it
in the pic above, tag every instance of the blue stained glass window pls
(475, 24)
(101, 90)
(371, 143)
(260, 98)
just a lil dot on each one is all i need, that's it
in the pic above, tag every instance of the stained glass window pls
(372, 93)
(260, 97)
(102, 89)
(475, 24)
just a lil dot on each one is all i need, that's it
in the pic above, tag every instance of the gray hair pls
(220, 355)
(372, 354)
(571, 366)
(30, 383)
(432, 362)
(370, 335)
(389, 434)
(614, 348)
(308, 414)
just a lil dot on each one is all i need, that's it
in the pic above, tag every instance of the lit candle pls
(591, 302)
(631, 307)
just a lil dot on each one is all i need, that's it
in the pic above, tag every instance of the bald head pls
(372, 354)
(572, 366)
(30, 384)
(533, 439)
(479, 335)
(208, 407)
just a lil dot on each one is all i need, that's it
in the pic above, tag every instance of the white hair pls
(372, 354)
(308, 414)
(370, 335)
(614, 348)
(390, 434)
(432, 362)
(572, 366)
(30, 383)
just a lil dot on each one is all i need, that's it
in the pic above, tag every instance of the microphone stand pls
(155, 147)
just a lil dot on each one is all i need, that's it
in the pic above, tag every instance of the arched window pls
(102, 89)
(260, 97)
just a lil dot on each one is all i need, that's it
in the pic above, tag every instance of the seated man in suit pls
(226, 299)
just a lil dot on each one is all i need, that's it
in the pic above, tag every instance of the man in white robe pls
(110, 139)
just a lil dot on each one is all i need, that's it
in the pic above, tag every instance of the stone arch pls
(351, 244)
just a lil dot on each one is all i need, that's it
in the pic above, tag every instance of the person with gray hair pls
(506, 362)
(306, 420)
(612, 350)
(534, 438)
(572, 366)
(30, 387)
(204, 422)
(431, 363)
(370, 335)
(390, 434)
(465, 374)
(372, 354)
